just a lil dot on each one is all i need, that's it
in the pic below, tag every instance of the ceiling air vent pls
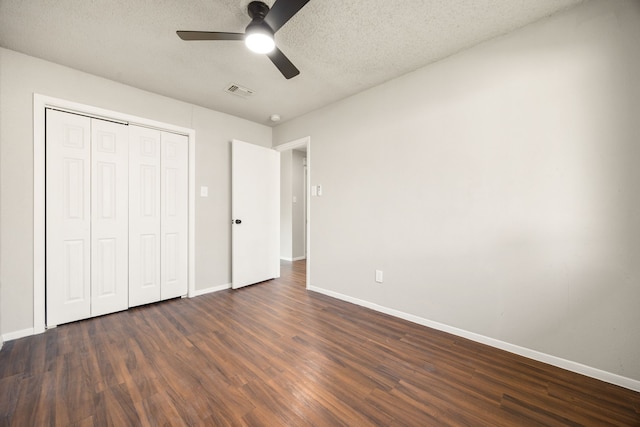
(238, 90)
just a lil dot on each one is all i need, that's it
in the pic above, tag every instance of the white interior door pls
(174, 215)
(109, 217)
(68, 217)
(144, 215)
(255, 199)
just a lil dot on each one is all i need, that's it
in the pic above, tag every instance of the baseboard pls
(293, 259)
(30, 331)
(17, 334)
(198, 292)
(569, 365)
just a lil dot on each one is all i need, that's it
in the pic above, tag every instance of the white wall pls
(2, 124)
(21, 76)
(292, 221)
(297, 207)
(286, 199)
(497, 189)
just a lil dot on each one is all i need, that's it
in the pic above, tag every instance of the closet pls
(116, 216)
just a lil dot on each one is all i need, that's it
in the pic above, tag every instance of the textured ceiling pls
(341, 47)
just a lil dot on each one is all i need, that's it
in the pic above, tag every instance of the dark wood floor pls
(274, 354)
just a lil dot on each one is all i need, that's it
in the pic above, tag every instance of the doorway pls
(295, 204)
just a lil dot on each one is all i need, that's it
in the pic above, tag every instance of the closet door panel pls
(68, 217)
(174, 229)
(144, 215)
(109, 217)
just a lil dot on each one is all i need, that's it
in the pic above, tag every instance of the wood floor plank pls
(276, 354)
(606, 407)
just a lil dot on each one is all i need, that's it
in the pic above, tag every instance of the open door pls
(255, 214)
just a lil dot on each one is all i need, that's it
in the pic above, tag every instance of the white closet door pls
(174, 217)
(144, 215)
(68, 217)
(109, 217)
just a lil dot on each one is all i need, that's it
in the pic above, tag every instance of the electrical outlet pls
(379, 276)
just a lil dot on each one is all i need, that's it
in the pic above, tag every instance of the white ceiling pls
(341, 47)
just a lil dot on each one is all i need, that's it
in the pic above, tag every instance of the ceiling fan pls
(258, 35)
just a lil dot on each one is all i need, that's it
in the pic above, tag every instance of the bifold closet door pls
(109, 217)
(86, 219)
(68, 217)
(174, 215)
(144, 215)
(158, 215)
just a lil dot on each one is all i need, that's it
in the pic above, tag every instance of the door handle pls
(237, 221)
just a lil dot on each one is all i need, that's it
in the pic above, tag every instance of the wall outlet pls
(379, 276)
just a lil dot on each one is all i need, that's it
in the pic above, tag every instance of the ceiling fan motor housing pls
(257, 10)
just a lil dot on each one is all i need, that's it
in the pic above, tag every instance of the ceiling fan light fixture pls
(259, 40)
(259, 34)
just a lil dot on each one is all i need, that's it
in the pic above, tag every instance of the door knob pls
(238, 221)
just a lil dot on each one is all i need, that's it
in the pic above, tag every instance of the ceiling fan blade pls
(283, 64)
(282, 11)
(209, 35)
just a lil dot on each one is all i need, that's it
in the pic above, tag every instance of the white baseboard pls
(10, 336)
(293, 259)
(512, 348)
(30, 331)
(199, 292)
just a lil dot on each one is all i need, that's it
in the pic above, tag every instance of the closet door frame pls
(40, 104)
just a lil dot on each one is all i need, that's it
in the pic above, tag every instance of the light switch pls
(204, 191)
(314, 190)
(295, 199)
(319, 190)
(379, 276)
